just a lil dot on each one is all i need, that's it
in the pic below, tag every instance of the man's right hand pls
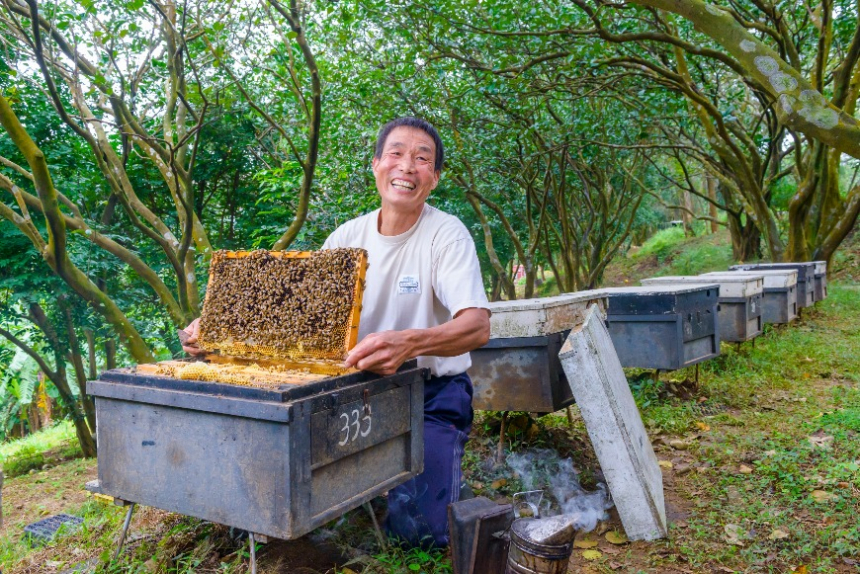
(190, 344)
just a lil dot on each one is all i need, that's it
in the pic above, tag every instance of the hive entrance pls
(277, 317)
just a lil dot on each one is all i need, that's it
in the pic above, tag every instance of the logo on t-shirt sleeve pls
(408, 284)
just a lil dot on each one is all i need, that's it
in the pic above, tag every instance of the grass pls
(40, 448)
(669, 252)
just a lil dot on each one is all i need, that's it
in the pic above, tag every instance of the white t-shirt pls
(418, 279)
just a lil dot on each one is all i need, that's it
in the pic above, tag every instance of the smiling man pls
(424, 298)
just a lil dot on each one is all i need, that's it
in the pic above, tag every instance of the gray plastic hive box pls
(805, 278)
(779, 304)
(273, 462)
(739, 315)
(519, 369)
(820, 280)
(663, 327)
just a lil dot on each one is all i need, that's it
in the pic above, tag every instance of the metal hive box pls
(663, 327)
(282, 448)
(805, 278)
(779, 304)
(820, 280)
(740, 302)
(519, 369)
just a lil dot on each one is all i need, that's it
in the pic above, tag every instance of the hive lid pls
(804, 269)
(820, 267)
(289, 308)
(539, 317)
(657, 289)
(773, 278)
(731, 285)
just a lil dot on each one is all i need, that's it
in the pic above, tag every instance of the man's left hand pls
(381, 353)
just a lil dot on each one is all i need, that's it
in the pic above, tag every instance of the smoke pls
(543, 469)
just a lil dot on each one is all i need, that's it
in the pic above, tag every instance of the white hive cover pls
(773, 278)
(731, 285)
(542, 316)
(820, 267)
(657, 289)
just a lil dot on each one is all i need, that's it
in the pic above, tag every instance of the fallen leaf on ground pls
(703, 426)
(823, 496)
(497, 484)
(615, 537)
(678, 444)
(820, 440)
(778, 535)
(585, 541)
(744, 469)
(592, 554)
(734, 534)
(800, 570)
(615, 565)
(665, 464)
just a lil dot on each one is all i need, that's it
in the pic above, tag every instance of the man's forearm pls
(469, 330)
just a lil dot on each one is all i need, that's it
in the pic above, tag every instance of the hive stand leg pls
(124, 530)
(380, 537)
(253, 544)
(500, 448)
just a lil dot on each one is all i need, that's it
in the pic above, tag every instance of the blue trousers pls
(418, 509)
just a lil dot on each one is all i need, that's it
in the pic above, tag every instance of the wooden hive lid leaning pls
(731, 286)
(541, 316)
(283, 307)
(773, 278)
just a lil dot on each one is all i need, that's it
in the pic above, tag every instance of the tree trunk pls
(711, 182)
(746, 238)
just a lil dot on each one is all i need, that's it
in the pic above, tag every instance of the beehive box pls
(779, 304)
(805, 278)
(294, 439)
(820, 280)
(740, 302)
(663, 327)
(519, 369)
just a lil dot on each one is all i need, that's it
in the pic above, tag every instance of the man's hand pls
(381, 353)
(190, 343)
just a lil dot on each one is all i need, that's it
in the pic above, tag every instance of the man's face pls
(405, 174)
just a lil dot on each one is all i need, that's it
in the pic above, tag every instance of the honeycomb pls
(275, 318)
(299, 307)
(252, 375)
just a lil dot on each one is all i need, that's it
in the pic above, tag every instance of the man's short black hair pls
(411, 122)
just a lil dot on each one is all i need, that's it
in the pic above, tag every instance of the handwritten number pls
(354, 426)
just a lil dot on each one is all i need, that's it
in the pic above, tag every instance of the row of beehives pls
(666, 324)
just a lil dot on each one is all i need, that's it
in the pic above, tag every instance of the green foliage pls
(412, 560)
(661, 243)
(20, 455)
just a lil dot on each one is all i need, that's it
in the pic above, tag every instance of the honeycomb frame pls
(290, 352)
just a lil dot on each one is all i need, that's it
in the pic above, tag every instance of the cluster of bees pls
(265, 305)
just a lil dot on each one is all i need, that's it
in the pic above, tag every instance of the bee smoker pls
(534, 550)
